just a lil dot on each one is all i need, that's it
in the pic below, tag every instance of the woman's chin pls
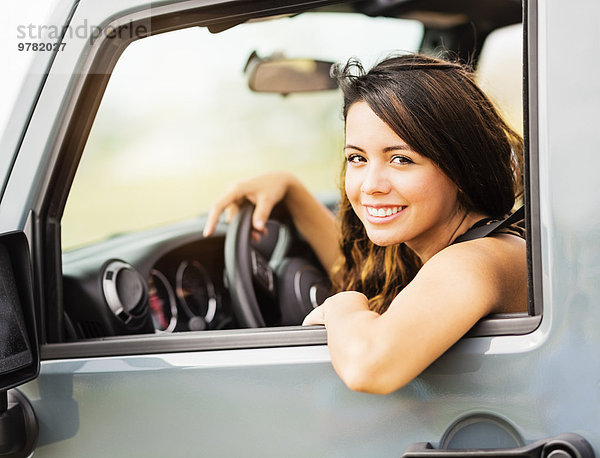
(383, 240)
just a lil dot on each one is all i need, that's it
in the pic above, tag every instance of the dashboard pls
(162, 280)
(171, 279)
(186, 290)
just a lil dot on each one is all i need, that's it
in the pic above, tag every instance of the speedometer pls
(196, 291)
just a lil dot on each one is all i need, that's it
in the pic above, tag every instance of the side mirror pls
(277, 74)
(19, 354)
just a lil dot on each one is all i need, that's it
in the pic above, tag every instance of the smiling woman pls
(427, 158)
(456, 154)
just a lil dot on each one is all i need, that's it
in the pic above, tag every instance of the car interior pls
(180, 114)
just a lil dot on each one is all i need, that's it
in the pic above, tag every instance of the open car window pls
(178, 121)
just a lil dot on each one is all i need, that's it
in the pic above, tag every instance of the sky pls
(14, 62)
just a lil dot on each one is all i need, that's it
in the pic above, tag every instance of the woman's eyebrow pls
(387, 149)
(354, 147)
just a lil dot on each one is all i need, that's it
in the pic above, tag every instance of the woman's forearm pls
(352, 339)
(359, 348)
(314, 221)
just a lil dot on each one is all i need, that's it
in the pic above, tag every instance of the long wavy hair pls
(438, 110)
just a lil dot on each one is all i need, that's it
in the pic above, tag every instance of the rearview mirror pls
(278, 74)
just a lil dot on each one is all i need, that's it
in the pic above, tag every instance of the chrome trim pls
(172, 302)
(109, 288)
(312, 294)
(284, 238)
(210, 290)
(233, 339)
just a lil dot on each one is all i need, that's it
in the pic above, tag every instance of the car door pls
(514, 381)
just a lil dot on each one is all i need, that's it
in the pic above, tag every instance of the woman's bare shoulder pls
(495, 267)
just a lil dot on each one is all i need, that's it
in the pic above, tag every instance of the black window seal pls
(532, 193)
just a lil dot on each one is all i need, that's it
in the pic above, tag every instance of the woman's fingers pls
(314, 317)
(261, 214)
(211, 221)
(216, 209)
(263, 191)
(228, 203)
(230, 212)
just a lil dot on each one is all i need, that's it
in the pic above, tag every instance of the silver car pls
(125, 332)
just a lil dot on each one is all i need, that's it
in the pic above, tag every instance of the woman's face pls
(399, 195)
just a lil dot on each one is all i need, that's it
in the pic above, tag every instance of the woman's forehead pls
(363, 126)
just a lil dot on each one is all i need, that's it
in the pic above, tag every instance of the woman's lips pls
(383, 214)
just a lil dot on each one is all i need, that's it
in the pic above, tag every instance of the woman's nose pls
(375, 181)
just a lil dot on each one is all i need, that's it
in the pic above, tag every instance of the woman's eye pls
(403, 160)
(355, 158)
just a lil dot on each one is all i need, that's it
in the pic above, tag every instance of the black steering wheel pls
(275, 281)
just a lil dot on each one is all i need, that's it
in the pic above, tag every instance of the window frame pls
(85, 101)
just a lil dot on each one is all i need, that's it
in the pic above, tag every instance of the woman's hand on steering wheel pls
(264, 191)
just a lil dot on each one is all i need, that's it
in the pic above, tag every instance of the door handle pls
(567, 445)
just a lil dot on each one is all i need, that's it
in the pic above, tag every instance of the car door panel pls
(273, 401)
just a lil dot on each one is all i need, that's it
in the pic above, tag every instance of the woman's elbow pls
(369, 377)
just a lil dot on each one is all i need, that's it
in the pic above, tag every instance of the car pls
(125, 332)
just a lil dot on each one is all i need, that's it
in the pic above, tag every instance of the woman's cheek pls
(417, 186)
(352, 186)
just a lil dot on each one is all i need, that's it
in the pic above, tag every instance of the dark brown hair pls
(438, 110)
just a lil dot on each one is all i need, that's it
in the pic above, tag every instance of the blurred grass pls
(177, 169)
(93, 216)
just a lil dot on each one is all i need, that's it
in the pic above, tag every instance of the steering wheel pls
(272, 282)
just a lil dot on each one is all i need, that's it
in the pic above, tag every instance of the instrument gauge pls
(163, 306)
(196, 291)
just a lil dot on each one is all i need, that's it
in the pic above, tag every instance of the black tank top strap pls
(489, 226)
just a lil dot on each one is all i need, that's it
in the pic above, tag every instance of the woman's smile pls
(382, 214)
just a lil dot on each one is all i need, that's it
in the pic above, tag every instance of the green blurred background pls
(177, 122)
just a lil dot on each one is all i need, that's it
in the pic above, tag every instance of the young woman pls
(427, 158)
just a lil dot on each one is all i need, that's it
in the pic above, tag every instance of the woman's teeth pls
(382, 212)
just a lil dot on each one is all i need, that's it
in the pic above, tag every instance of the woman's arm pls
(312, 219)
(452, 291)
(315, 222)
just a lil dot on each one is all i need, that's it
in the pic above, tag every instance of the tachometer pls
(163, 306)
